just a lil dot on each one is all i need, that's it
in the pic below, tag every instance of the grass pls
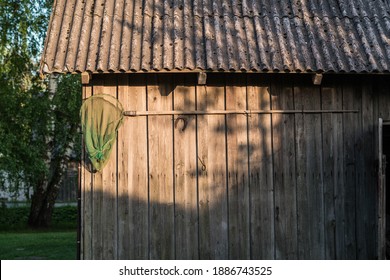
(17, 242)
(38, 245)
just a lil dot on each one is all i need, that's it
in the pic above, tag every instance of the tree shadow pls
(238, 186)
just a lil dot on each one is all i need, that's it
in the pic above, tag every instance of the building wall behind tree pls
(14, 193)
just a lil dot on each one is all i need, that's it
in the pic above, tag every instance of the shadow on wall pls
(232, 187)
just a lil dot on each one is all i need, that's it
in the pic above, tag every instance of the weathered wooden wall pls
(259, 186)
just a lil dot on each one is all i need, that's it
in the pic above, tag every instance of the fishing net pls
(101, 116)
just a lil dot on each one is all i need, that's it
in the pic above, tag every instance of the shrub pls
(13, 218)
(64, 217)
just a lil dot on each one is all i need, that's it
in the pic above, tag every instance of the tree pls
(38, 117)
(57, 136)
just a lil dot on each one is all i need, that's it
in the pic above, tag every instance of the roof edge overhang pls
(45, 71)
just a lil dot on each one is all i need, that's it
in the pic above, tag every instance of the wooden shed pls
(253, 127)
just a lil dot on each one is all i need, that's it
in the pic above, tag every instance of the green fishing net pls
(101, 116)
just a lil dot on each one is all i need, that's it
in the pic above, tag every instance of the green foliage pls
(67, 103)
(13, 218)
(33, 122)
(21, 29)
(64, 217)
(23, 24)
(18, 153)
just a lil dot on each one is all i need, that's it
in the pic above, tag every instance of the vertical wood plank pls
(332, 143)
(133, 172)
(97, 187)
(237, 166)
(261, 171)
(87, 198)
(109, 226)
(213, 220)
(186, 193)
(124, 198)
(286, 246)
(350, 125)
(97, 246)
(360, 191)
(382, 90)
(161, 168)
(310, 206)
(366, 177)
(377, 96)
(381, 212)
(382, 101)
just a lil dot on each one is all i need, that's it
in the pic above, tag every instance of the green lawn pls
(38, 245)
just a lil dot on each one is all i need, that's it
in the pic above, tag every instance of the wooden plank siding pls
(333, 175)
(285, 183)
(213, 193)
(133, 191)
(237, 186)
(309, 176)
(237, 170)
(98, 223)
(261, 180)
(185, 166)
(87, 191)
(349, 188)
(161, 183)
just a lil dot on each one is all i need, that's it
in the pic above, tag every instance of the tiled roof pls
(218, 35)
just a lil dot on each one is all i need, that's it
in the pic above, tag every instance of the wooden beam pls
(85, 78)
(202, 78)
(227, 112)
(317, 79)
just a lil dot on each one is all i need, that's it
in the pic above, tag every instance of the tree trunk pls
(45, 195)
(46, 192)
(41, 210)
(47, 188)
